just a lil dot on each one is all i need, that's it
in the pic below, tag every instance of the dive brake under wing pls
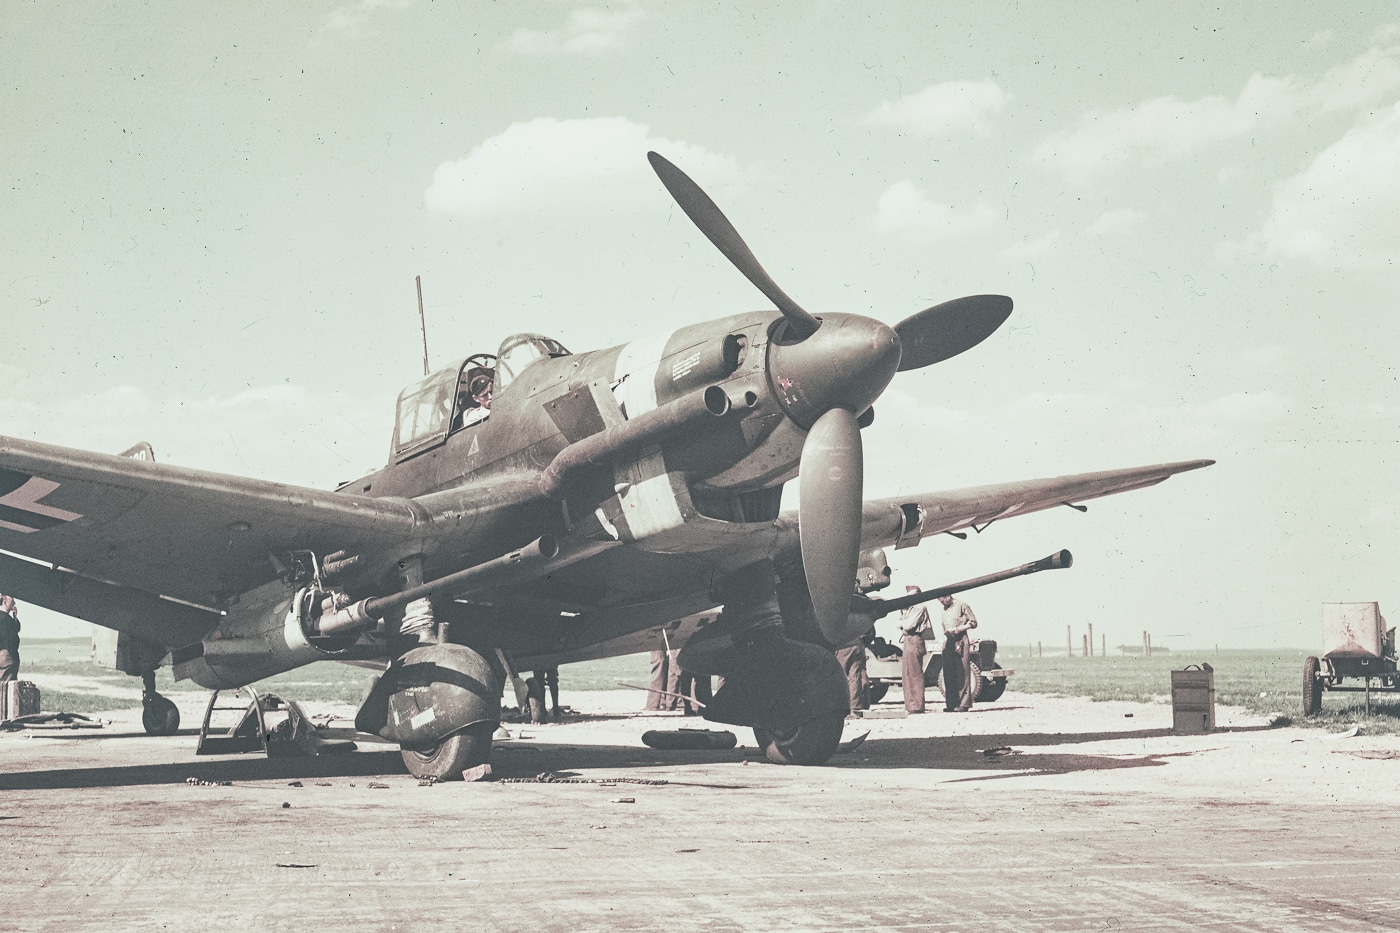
(901, 521)
(146, 530)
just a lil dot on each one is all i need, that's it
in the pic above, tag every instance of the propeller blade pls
(943, 331)
(829, 505)
(706, 215)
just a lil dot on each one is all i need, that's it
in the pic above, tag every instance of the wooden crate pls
(18, 698)
(1193, 700)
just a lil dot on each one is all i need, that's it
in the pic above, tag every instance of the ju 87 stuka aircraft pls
(538, 506)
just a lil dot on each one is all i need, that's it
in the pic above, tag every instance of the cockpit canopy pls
(519, 351)
(460, 396)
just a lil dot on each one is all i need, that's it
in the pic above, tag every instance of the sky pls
(214, 215)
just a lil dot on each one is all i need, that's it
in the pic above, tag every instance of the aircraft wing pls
(901, 521)
(166, 530)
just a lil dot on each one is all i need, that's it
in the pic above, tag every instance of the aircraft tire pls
(159, 716)
(875, 692)
(811, 743)
(446, 759)
(1312, 687)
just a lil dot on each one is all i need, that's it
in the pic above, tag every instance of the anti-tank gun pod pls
(989, 680)
(879, 608)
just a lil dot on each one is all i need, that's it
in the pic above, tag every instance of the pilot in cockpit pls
(474, 401)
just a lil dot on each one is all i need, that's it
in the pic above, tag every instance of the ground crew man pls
(958, 620)
(9, 639)
(852, 658)
(914, 627)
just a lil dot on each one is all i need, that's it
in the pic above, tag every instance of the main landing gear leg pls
(159, 716)
(792, 693)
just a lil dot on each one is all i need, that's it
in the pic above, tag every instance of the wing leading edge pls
(903, 520)
(177, 532)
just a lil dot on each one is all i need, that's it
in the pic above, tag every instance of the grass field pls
(1266, 682)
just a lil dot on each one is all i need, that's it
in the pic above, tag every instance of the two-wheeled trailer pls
(1356, 644)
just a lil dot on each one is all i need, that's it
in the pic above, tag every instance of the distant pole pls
(1041, 648)
(1086, 644)
(1091, 639)
(1146, 651)
(1103, 645)
(422, 322)
(1069, 642)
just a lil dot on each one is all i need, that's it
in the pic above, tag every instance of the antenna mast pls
(422, 322)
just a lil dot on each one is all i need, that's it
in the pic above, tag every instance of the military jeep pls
(883, 667)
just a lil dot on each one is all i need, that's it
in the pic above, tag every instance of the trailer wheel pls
(1312, 687)
(875, 692)
(992, 689)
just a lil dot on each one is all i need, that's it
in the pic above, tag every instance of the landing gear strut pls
(792, 693)
(159, 716)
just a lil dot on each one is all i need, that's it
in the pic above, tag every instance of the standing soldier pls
(958, 620)
(9, 639)
(852, 658)
(914, 627)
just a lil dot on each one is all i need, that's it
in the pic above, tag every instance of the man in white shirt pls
(958, 620)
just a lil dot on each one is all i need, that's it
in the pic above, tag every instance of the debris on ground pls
(198, 782)
(852, 744)
(550, 777)
(53, 721)
(1001, 751)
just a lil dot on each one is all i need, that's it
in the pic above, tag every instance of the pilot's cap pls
(480, 384)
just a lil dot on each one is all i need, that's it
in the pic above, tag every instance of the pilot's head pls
(481, 389)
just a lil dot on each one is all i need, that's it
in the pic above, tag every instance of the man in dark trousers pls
(9, 639)
(958, 620)
(914, 627)
(852, 658)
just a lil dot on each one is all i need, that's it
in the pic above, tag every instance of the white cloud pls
(352, 19)
(1343, 210)
(1164, 129)
(285, 433)
(906, 211)
(1112, 223)
(587, 30)
(550, 164)
(946, 109)
(1033, 249)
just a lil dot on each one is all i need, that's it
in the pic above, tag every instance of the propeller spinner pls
(826, 372)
